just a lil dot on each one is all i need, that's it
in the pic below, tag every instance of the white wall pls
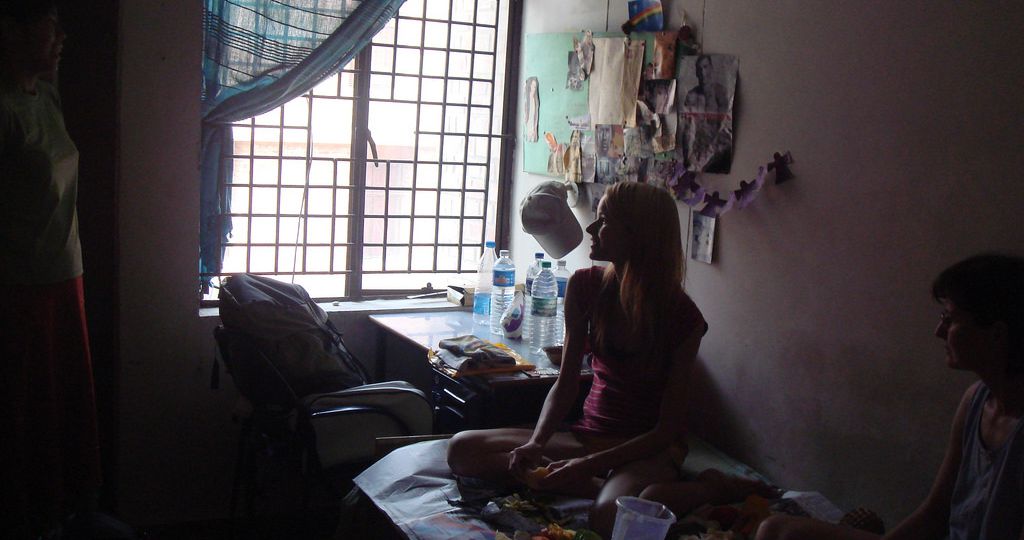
(819, 368)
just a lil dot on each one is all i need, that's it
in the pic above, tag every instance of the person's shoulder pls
(687, 310)
(48, 91)
(976, 390)
(683, 298)
(589, 272)
(8, 93)
(586, 278)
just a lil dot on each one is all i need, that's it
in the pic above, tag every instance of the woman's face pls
(969, 345)
(39, 44)
(609, 237)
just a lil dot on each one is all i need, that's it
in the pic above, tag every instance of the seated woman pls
(644, 332)
(979, 491)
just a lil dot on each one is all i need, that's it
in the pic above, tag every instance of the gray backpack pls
(279, 322)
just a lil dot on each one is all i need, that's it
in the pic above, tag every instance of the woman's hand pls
(567, 472)
(524, 458)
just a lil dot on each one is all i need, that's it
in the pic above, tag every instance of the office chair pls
(329, 433)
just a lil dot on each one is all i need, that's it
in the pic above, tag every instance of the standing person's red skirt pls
(49, 449)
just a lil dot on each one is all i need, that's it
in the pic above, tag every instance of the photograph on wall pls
(660, 173)
(574, 78)
(531, 106)
(608, 143)
(703, 237)
(656, 113)
(587, 157)
(556, 159)
(706, 89)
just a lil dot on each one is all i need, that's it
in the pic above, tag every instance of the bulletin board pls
(547, 59)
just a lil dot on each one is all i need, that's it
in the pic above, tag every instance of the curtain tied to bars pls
(258, 55)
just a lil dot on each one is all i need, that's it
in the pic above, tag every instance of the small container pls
(640, 519)
(554, 353)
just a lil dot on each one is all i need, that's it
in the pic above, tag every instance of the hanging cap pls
(546, 216)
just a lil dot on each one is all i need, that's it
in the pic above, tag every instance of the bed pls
(413, 487)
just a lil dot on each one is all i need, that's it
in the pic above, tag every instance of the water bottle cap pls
(489, 243)
(561, 263)
(545, 264)
(504, 253)
(538, 255)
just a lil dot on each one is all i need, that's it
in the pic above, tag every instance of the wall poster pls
(706, 90)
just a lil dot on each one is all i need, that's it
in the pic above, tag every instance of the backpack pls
(282, 323)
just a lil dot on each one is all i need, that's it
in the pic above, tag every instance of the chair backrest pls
(293, 333)
(253, 373)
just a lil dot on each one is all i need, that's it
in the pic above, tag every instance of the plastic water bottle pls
(562, 276)
(482, 295)
(543, 308)
(503, 288)
(531, 274)
(533, 270)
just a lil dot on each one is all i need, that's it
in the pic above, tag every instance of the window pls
(384, 178)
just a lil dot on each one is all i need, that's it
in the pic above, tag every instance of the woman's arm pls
(931, 519)
(669, 429)
(562, 395)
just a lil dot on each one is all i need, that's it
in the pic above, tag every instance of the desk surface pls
(425, 329)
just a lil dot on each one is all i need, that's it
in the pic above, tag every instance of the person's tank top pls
(626, 393)
(988, 498)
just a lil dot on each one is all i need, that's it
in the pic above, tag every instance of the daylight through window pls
(383, 179)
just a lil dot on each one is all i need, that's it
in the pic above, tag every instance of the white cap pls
(546, 216)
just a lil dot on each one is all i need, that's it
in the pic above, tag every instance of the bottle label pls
(561, 287)
(482, 304)
(543, 307)
(504, 278)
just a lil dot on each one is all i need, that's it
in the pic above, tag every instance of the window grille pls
(385, 178)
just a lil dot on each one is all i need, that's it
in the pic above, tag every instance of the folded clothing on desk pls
(472, 355)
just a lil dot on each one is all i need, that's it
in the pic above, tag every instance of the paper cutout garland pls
(686, 188)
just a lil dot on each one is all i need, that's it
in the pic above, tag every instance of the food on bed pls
(519, 535)
(535, 475)
(555, 532)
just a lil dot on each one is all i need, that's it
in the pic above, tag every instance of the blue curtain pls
(258, 55)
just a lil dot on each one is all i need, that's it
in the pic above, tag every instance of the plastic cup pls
(640, 519)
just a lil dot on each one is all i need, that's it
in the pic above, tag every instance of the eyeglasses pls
(947, 317)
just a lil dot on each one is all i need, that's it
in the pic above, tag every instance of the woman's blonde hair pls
(652, 272)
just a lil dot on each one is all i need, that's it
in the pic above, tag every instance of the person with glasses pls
(978, 493)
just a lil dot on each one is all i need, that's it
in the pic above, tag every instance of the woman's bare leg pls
(782, 527)
(629, 479)
(710, 487)
(484, 453)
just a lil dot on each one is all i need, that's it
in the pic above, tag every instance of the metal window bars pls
(311, 206)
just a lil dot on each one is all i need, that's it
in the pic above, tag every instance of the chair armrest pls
(344, 425)
(403, 401)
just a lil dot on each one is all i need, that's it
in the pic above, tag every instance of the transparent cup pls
(640, 519)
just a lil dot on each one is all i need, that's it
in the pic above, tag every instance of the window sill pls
(404, 305)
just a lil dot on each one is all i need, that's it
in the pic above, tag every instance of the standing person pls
(50, 451)
(644, 332)
(978, 493)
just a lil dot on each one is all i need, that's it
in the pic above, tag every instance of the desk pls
(467, 402)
